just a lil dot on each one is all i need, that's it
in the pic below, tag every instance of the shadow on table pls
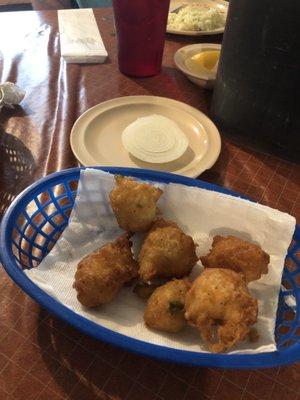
(16, 166)
(88, 369)
(217, 174)
(79, 366)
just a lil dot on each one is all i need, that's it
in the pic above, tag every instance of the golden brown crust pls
(220, 306)
(101, 274)
(134, 204)
(160, 222)
(167, 252)
(238, 255)
(165, 308)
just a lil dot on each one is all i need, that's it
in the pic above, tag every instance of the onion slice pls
(154, 139)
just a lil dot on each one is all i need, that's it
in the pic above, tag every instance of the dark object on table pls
(258, 83)
(16, 7)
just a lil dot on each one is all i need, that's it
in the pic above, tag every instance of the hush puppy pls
(220, 306)
(167, 252)
(101, 274)
(165, 308)
(134, 204)
(238, 255)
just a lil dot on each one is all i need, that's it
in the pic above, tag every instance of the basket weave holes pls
(65, 201)
(40, 240)
(37, 220)
(290, 265)
(297, 280)
(73, 185)
(67, 212)
(30, 231)
(21, 220)
(44, 198)
(31, 208)
(25, 261)
(48, 229)
(286, 284)
(59, 220)
(34, 263)
(58, 189)
(50, 210)
(56, 236)
(292, 245)
(283, 329)
(289, 315)
(36, 252)
(15, 235)
(288, 343)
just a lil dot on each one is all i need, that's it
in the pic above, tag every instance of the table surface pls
(40, 356)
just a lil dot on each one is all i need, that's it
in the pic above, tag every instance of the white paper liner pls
(200, 213)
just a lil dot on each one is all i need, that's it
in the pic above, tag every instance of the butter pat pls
(80, 39)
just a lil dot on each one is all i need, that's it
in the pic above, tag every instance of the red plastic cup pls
(141, 28)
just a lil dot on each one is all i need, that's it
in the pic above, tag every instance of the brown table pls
(40, 356)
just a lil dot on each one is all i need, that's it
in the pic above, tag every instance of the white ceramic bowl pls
(205, 79)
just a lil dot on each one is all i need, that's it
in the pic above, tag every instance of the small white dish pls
(96, 137)
(205, 79)
(221, 5)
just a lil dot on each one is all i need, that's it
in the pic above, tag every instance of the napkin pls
(10, 95)
(80, 39)
(200, 213)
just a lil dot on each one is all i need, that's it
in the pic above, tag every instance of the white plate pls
(96, 135)
(205, 80)
(218, 4)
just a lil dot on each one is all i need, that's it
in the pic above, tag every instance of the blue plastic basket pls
(36, 219)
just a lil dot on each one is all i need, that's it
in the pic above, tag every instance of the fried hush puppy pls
(165, 308)
(238, 255)
(220, 306)
(167, 252)
(101, 274)
(134, 204)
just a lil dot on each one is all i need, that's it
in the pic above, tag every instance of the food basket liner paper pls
(200, 213)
